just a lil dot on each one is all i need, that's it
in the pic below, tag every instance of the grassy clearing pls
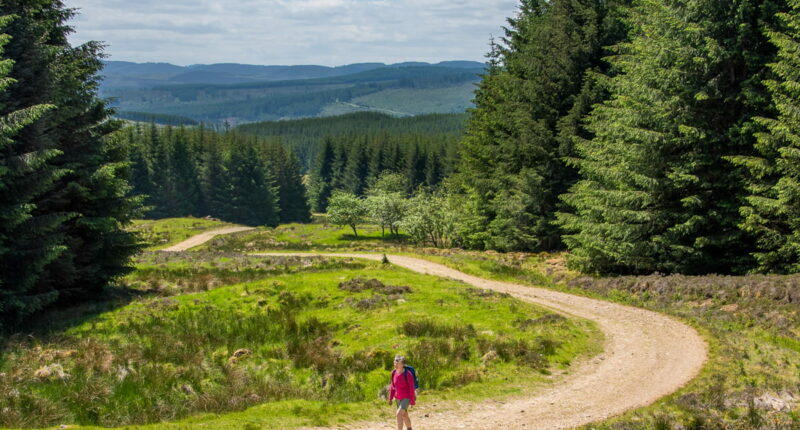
(751, 322)
(160, 234)
(305, 237)
(292, 342)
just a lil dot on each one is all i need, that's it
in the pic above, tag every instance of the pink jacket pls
(402, 387)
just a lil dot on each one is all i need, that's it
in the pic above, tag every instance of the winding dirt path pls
(646, 356)
(203, 238)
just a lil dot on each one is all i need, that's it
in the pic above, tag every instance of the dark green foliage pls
(306, 136)
(24, 175)
(67, 187)
(253, 196)
(529, 107)
(200, 172)
(322, 177)
(772, 212)
(292, 199)
(657, 194)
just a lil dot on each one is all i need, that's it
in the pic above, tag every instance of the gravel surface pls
(203, 238)
(646, 356)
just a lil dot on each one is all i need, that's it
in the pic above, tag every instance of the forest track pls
(203, 238)
(646, 356)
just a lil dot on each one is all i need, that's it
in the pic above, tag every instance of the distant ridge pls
(239, 93)
(126, 75)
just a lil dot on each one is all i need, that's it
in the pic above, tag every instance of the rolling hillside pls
(235, 93)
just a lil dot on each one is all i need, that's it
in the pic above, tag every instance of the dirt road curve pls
(203, 238)
(646, 356)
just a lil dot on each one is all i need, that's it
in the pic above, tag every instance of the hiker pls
(404, 389)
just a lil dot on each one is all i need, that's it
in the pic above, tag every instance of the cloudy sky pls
(326, 32)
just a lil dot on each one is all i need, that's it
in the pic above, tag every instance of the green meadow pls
(227, 340)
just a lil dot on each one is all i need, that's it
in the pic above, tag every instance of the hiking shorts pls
(403, 404)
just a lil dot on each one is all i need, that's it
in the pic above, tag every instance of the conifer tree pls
(356, 169)
(26, 244)
(292, 199)
(184, 176)
(214, 181)
(657, 194)
(772, 212)
(513, 164)
(253, 196)
(322, 177)
(92, 194)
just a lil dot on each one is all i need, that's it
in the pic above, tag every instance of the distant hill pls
(240, 93)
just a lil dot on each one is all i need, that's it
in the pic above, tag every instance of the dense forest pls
(306, 136)
(200, 172)
(643, 136)
(64, 198)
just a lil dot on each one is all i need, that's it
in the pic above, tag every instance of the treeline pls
(641, 135)
(305, 136)
(354, 163)
(158, 118)
(64, 198)
(230, 176)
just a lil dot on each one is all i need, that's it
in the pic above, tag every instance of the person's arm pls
(391, 387)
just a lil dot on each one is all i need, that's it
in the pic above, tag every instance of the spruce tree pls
(657, 194)
(292, 198)
(92, 195)
(322, 177)
(253, 196)
(183, 176)
(214, 184)
(513, 166)
(772, 212)
(27, 242)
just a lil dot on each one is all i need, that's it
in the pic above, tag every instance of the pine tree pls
(26, 244)
(214, 182)
(513, 164)
(772, 212)
(356, 169)
(183, 176)
(292, 198)
(657, 194)
(322, 177)
(253, 195)
(83, 213)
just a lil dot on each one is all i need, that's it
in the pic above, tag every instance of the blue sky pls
(326, 32)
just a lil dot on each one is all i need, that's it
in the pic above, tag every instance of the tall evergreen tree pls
(27, 242)
(184, 175)
(356, 170)
(214, 181)
(657, 194)
(292, 199)
(253, 196)
(92, 195)
(322, 177)
(513, 156)
(772, 212)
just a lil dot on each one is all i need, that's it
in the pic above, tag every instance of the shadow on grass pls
(52, 323)
(389, 238)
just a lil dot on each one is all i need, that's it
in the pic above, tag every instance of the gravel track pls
(646, 356)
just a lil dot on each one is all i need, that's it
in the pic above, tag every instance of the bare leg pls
(399, 419)
(407, 419)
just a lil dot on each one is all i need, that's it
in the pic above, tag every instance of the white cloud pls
(327, 32)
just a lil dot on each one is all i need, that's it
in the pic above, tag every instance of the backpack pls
(413, 373)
